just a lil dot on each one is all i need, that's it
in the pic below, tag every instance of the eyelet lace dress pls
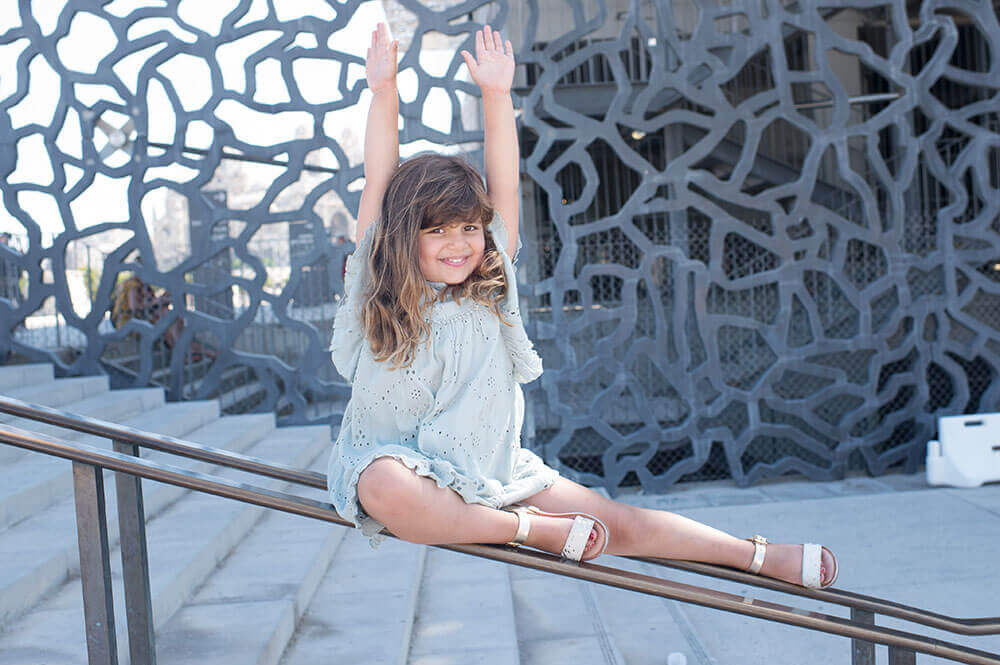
(454, 415)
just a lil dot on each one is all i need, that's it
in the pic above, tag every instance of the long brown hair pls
(426, 191)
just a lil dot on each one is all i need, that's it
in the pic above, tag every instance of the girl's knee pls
(627, 526)
(384, 486)
(390, 492)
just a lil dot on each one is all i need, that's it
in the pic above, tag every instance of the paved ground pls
(895, 537)
(291, 591)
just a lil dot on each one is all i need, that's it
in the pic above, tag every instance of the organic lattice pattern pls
(760, 237)
(776, 251)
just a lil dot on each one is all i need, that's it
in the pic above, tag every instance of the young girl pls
(430, 337)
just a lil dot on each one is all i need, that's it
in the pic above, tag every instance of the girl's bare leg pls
(645, 532)
(415, 509)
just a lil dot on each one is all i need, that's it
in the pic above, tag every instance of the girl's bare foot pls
(784, 562)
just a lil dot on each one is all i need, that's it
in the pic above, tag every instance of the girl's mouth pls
(456, 262)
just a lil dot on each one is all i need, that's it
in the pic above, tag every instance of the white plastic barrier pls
(968, 453)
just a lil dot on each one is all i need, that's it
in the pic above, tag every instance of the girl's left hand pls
(493, 67)
(380, 63)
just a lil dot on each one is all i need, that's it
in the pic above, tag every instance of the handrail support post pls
(135, 561)
(901, 656)
(862, 651)
(95, 564)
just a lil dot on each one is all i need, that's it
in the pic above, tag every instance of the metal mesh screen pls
(760, 237)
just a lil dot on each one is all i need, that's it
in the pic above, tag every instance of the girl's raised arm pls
(382, 130)
(493, 70)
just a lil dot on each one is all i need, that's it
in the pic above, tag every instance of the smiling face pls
(452, 252)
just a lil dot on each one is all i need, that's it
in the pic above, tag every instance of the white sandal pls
(812, 560)
(579, 533)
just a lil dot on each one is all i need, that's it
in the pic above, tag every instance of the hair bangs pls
(460, 202)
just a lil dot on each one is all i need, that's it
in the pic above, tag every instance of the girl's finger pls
(488, 35)
(469, 61)
(510, 48)
(480, 45)
(498, 41)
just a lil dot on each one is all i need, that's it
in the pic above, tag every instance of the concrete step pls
(364, 609)
(647, 629)
(59, 392)
(54, 393)
(13, 377)
(560, 622)
(40, 551)
(186, 542)
(110, 405)
(465, 613)
(247, 610)
(180, 559)
(36, 481)
(115, 406)
(233, 433)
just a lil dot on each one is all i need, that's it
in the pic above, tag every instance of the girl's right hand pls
(380, 65)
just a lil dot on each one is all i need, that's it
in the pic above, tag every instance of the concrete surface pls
(290, 591)
(895, 537)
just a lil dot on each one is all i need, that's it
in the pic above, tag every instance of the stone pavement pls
(895, 537)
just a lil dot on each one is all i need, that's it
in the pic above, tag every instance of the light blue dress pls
(454, 415)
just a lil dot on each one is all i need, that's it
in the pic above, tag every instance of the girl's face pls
(452, 252)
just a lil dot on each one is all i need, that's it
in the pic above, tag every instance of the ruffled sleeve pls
(348, 338)
(527, 364)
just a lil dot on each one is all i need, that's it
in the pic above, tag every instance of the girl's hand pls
(380, 65)
(493, 67)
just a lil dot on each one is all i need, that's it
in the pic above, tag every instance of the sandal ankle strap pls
(759, 551)
(523, 525)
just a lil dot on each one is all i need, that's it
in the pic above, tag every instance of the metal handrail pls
(163, 443)
(856, 601)
(87, 459)
(256, 465)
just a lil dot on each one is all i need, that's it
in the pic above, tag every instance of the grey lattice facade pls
(760, 237)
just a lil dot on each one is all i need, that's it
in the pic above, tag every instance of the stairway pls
(238, 390)
(234, 583)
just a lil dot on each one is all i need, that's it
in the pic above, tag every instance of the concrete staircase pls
(234, 583)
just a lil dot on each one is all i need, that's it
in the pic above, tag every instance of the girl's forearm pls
(502, 155)
(382, 137)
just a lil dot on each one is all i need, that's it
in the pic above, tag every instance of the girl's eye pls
(471, 227)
